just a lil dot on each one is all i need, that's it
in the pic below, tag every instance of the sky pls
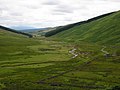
(50, 13)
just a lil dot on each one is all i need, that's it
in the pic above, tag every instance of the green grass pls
(21, 56)
(105, 30)
(45, 64)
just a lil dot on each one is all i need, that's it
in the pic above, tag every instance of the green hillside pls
(41, 63)
(15, 31)
(11, 42)
(25, 61)
(105, 30)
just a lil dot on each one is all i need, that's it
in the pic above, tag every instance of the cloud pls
(60, 11)
(113, 0)
(15, 14)
(51, 2)
(64, 9)
(44, 13)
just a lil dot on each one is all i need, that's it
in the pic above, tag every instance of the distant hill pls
(34, 30)
(2, 28)
(40, 31)
(102, 29)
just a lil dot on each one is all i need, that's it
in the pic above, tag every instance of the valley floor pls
(50, 64)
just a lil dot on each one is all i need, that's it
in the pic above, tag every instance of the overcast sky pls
(47, 13)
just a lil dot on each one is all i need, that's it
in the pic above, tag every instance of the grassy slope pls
(12, 43)
(40, 63)
(105, 30)
(27, 60)
(15, 31)
(43, 63)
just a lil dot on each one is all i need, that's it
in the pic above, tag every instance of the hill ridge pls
(66, 27)
(15, 31)
(104, 29)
